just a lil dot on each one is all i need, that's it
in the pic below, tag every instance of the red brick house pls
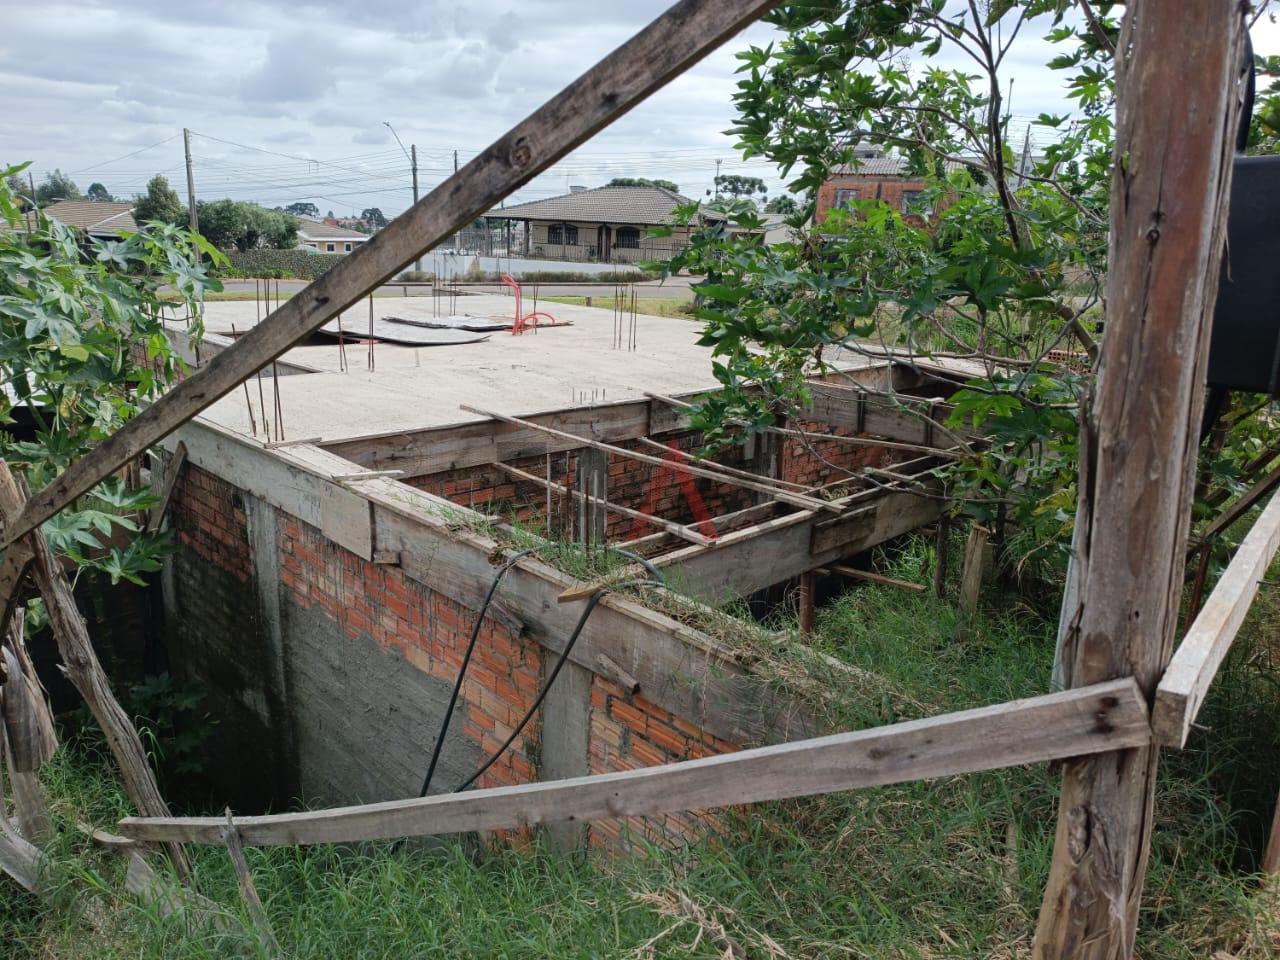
(877, 176)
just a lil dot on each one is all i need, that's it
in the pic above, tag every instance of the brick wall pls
(632, 483)
(363, 603)
(800, 465)
(628, 733)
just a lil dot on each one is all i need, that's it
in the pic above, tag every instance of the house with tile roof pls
(605, 224)
(102, 220)
(320, 236)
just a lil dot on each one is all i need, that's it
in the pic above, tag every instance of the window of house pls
(845, 195)
(628, 237)
(563, 233)
(913, 201)
(329, 247)
(346, 247)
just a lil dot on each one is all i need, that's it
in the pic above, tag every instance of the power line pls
(104, 163)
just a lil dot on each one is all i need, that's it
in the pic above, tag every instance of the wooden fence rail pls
(1182, 689)
(1087, 720)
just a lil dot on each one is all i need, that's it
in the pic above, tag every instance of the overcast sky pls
(270, 87)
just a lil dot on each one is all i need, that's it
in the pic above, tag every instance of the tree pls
(160, 204)
(98, 193)
(374, 217)
(783, 203)
(83, 346)
(643, 182)
(56, 186)
(302, 209)
(740, 187)
(246, 226)
(1007, 270)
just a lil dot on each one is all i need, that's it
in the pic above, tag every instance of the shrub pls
(282, 264)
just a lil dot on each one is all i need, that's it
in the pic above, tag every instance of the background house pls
(101, 220)
(875, 176)
(608, 224)
(327, 237)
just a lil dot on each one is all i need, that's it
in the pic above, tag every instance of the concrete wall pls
(329, 674)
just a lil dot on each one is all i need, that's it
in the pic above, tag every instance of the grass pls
(650, 306)
(947, 868)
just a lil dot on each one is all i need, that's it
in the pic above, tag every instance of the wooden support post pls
(257, 913)
(1139, 441)
(975, 562)
(86, 673)
(648, 61)
(161, 507)
(591, 478)
(805, 598)
(941, 544)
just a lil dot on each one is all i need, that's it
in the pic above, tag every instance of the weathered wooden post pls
(1178, 70)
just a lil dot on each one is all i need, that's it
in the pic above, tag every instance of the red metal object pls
(523, 320)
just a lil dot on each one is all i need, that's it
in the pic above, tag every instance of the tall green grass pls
(947, 868)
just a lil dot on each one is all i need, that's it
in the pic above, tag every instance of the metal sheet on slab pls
(457, 321)
(403, 333)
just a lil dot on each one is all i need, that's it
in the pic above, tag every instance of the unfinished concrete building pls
(326, 587)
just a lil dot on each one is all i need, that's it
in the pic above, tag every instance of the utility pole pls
(455, 161)
(718, 162)
(191, 182)
(35, 204)
(413, 165)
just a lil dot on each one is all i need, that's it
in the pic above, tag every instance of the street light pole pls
(412, 156)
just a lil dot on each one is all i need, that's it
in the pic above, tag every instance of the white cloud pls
(89, 81)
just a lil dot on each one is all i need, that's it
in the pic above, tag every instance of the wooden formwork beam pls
(1169, 197)
(672, 43)
(795, 499)
(1074, 723)
(676, 529)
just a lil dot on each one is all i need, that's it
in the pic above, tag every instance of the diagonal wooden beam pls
(672, 43)
(1074, 723)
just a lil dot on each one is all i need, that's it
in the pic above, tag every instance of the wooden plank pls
(1169, 197)
(720, 467)
(750, 559)
(1247, 501)
(1183, 687)
(797, 500)
(1073, 723)
(871, 577)
(672, 43)
(679, 530)
(480, 442)
(1271, 857)
(298, 480)
(171, 471)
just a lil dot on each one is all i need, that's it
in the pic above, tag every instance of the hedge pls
(278, 263)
